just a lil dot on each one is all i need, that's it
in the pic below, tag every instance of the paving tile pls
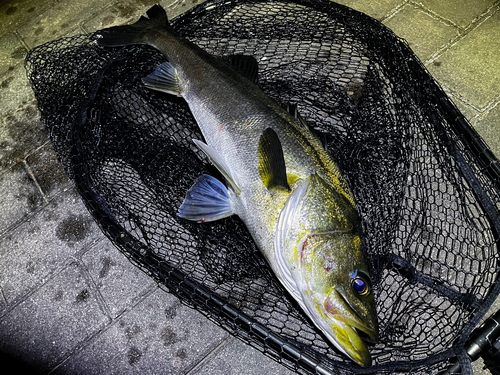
(19, 198)
(424, 33)
(17, 98)
(489, 129)
(12, 53)
(120, 13)
(59, 20)
(51, 322)
(240, 358)
(20, 132)
(460, 14)
(16, 13)
(39, 247)
(178, 7)
(470, 67)
(117, 279)
(48, 171)
(378, 9)
(159, 336)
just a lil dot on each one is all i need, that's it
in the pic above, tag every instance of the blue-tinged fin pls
(207, 200)
(164, 79)
(272, 167)
(137, 33)
(247, 66)
(220, 163)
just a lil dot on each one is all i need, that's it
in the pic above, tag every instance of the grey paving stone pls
(20, 133)
(159, 336)
(48, 171)
(460, 13)
(424, 33)
(239, 358)
(470, 67)
(39, 247)
(119, 13)
(489, 129)
(46, 326)
(119, 281)
(16, 13)
(378, 9)
(16, 96)
(12, 53)
(19, 198)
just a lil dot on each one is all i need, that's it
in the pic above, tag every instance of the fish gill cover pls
(425, 184)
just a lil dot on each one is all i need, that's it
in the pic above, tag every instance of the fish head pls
(337, 291)
(320, 253)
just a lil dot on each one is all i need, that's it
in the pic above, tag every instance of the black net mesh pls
(425, 184)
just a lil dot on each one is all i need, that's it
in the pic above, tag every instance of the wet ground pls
(69, 301)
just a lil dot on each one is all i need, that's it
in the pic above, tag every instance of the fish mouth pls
(350, 332)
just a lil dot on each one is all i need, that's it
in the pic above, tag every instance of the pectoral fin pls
(165, 79)
(286, 217)
(272, 167)
(207, 200)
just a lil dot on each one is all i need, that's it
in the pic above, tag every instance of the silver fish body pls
(280, 182)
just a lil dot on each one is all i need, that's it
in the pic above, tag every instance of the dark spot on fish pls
(83, 296)
(73, 228)
(30, 10)
(64, 25)
(5, 83)
(19, 53)
(10, 69)
(11, 10)
(437, 63)
(168, 336)
(134, 355)
(106, 266)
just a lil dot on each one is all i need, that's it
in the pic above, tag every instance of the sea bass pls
(279, 180)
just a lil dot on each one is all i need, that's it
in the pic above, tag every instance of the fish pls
(277, 178)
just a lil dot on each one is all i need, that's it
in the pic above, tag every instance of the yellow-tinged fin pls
(272, 167)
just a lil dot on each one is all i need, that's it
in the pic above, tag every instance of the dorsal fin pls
(272, 167)
(292, 109)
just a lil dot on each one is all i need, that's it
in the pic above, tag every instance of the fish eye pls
(360, 283)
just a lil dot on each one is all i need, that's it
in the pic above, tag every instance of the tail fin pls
(136, 33)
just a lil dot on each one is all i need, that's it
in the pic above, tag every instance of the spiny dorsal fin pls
(247, 66)
(272, 167)
(292, 109)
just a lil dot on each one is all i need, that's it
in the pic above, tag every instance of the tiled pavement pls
(69, 301)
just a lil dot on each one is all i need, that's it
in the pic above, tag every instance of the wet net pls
(426, 186)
